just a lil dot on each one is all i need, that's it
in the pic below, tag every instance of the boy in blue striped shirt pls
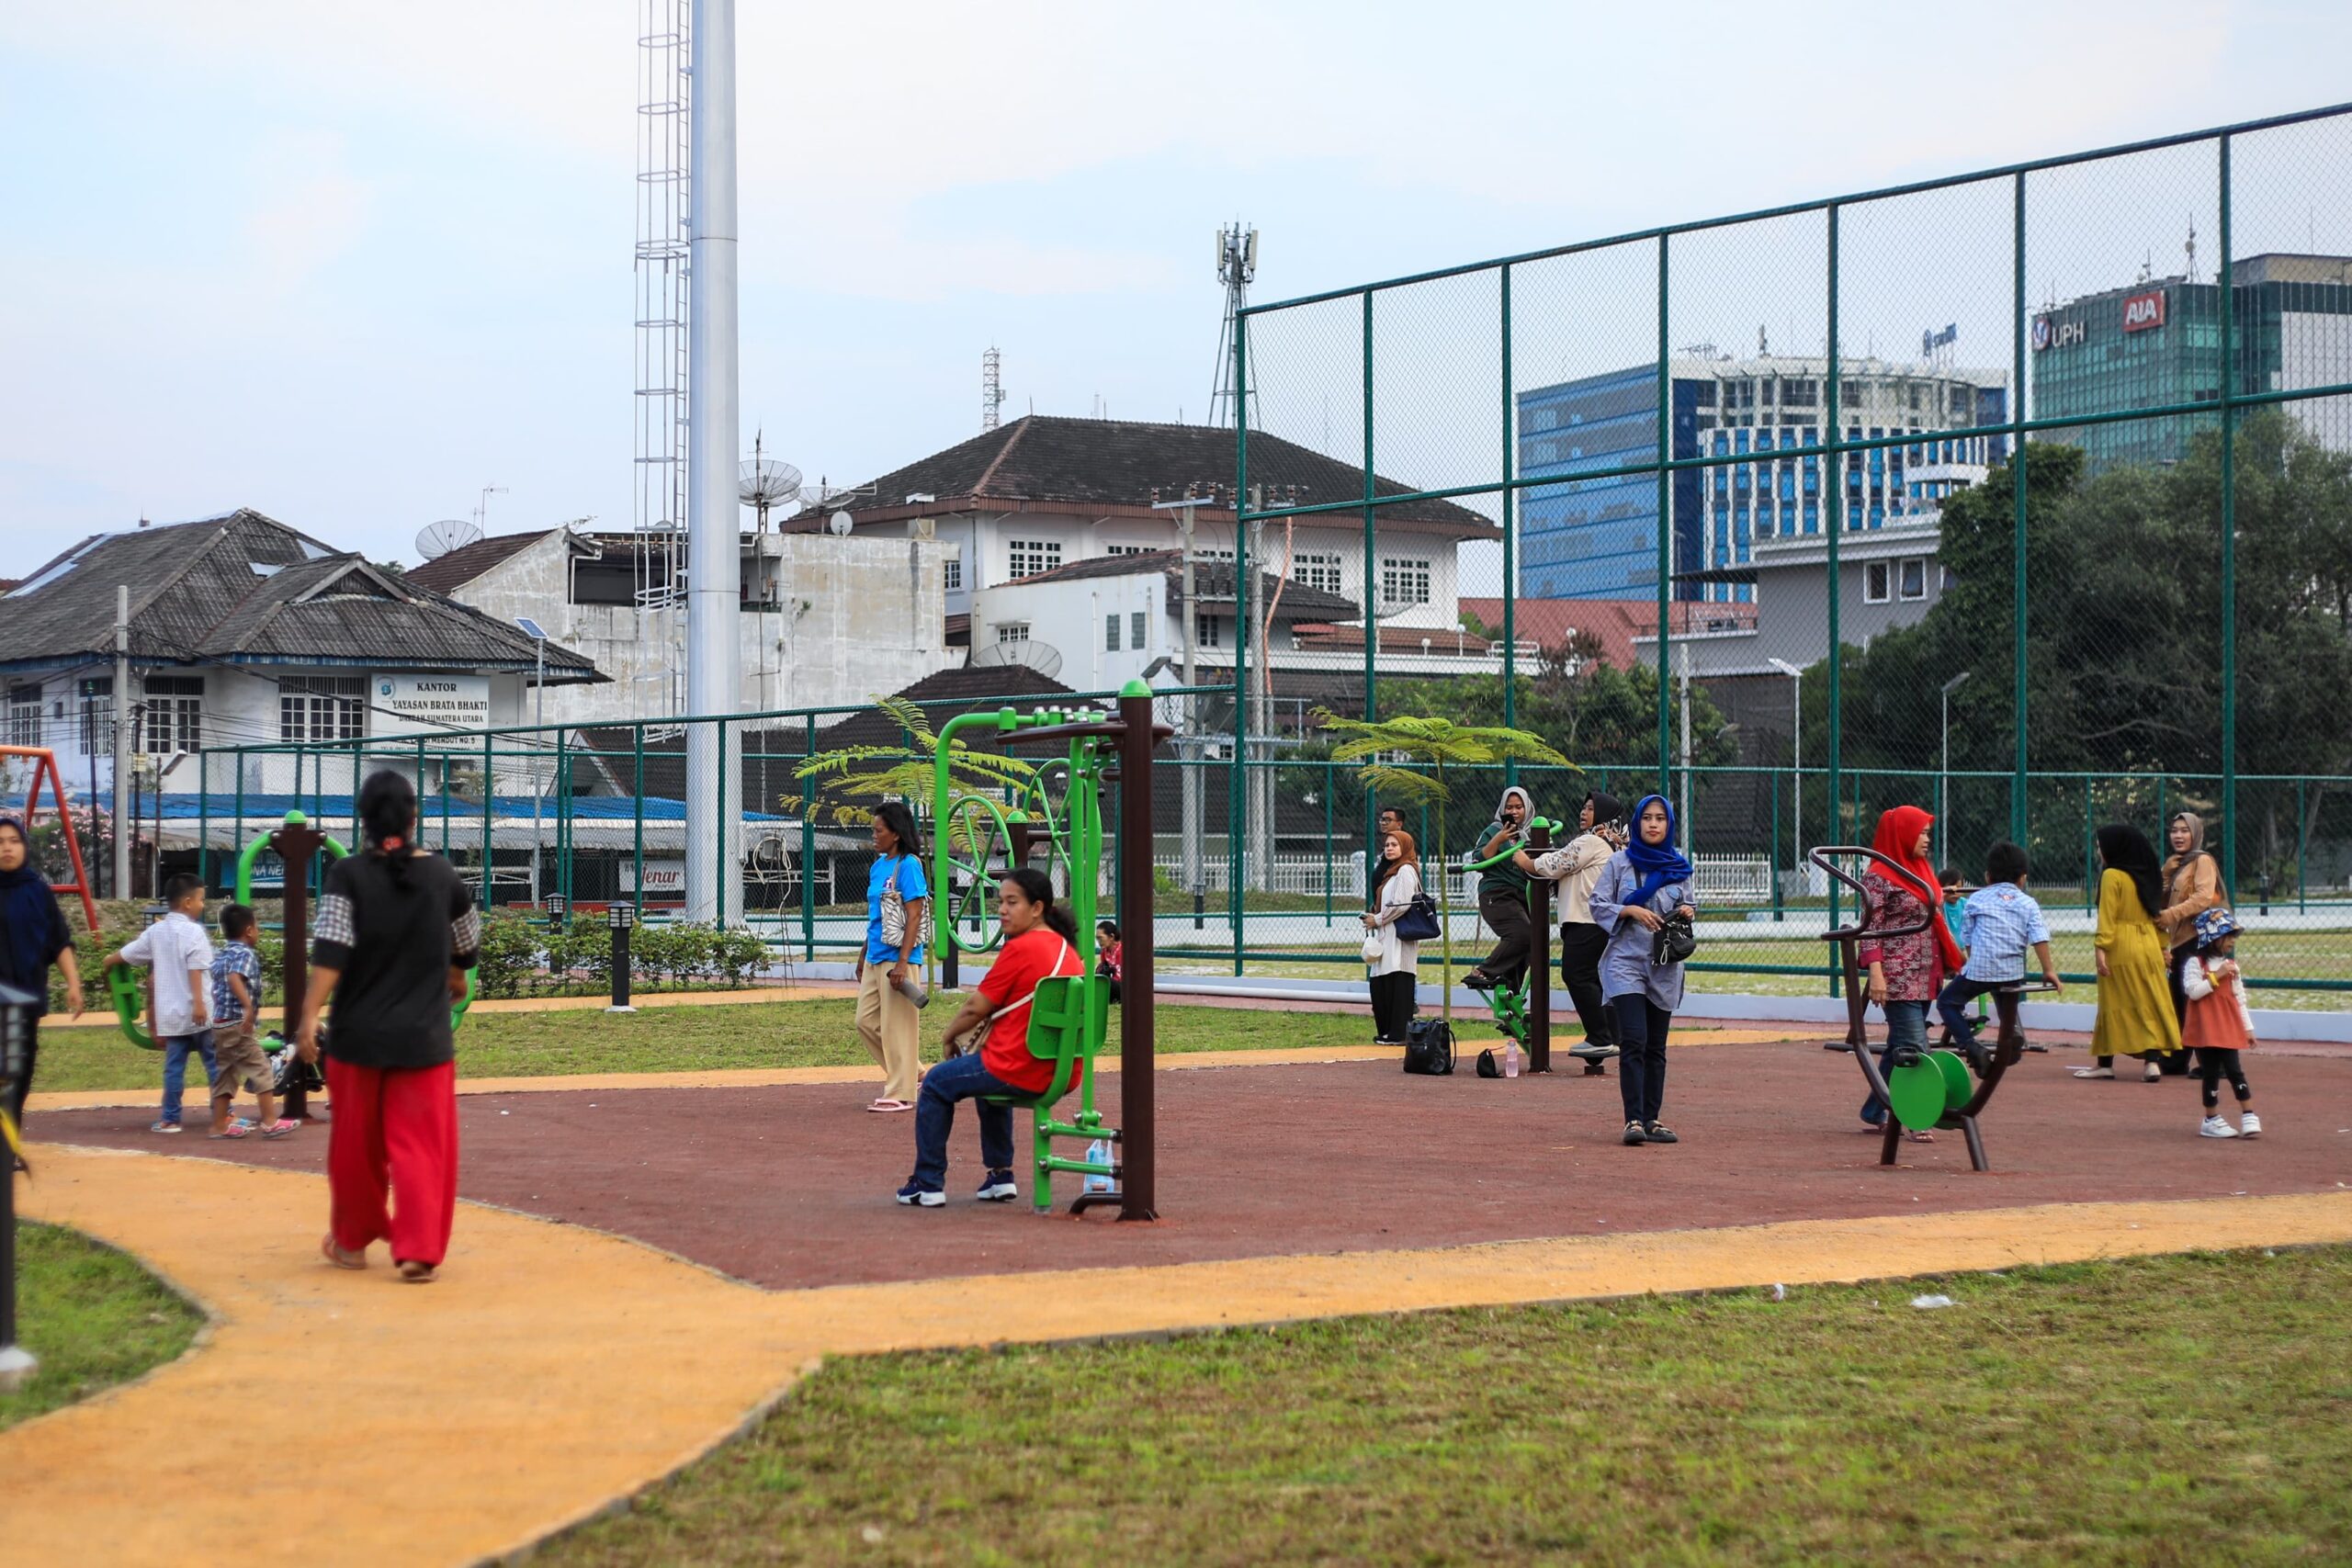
(1999, 922)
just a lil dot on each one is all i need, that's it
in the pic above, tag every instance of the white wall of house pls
(1003, 545)
(826, 621)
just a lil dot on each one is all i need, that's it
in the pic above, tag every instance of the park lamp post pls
(537, 634)
(1795, 673)
(16, 1363)
(1943, 773)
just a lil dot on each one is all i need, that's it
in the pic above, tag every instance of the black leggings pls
(1580, 945)
(24, 1086)
(2213, 1066)
(1641, 1055)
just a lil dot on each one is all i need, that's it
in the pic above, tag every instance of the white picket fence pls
(1725, 879)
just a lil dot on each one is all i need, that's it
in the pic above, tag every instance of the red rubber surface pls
(791, 1187)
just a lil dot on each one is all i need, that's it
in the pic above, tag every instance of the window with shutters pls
(1135, 630)
(1111, 633)
(171, 718)
(321, 707)
(1012, 631)
(97, 697)
(24, 716)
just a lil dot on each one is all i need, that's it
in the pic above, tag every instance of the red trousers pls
(396, 1130)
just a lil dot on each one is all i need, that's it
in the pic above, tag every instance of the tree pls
(2123, 656)
(1591, 708)
(845, 784)
(1437, 744)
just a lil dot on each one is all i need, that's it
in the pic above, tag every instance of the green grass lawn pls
(753, 1035)
(93, 1317)
(2184, 1410)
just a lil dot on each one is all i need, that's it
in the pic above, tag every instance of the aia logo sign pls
(2144, 312)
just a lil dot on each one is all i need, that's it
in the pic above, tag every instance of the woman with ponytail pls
(1040, 942)
(396, 932)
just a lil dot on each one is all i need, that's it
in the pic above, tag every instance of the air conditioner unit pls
(922, 527)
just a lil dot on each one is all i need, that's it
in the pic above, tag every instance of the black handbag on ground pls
(1487, 1066)
(1674, 941)
(1429, 1047)
(1418, 922)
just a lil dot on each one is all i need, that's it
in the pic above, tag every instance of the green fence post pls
(2017, 790)
(1510, 558)
(727, 872)
(237, 834)
(1778, 913)
(1833, 517)
(2301, 844)
(2228, 552)
(203, 821)
(489, 793)
(1236, 811)
(637, 788)
(808, 847)
(2090, 863)
(564, 819)
(1665, 526)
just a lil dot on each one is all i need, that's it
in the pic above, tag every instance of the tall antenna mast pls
(664, 213)
(991, 387)
(1236, 264)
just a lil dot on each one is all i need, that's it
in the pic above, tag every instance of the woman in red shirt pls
(1040, 942)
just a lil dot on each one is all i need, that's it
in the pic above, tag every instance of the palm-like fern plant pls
(1437, 744)
(844, 785)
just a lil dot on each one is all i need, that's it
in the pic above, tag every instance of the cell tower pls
(664, 213)
(992, 387)
(1236, 264)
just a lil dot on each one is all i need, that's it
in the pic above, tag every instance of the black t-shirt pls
(395, 932)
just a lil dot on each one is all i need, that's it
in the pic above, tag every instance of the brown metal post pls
(1539, 954)
(1138, 1199)
(297, 845)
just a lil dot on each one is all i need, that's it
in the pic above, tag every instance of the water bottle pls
(1511, 1059)
(1097, 1153)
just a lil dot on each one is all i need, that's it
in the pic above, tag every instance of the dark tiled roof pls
(1212, 584)
(246, 589)
(1103, 462)
(1397, 639)
(447, 573)
(769, 756)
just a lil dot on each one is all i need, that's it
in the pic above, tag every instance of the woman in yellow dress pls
(2135, 1013)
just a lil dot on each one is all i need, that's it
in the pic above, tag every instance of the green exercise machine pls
(976, 839)
(1523, 1011)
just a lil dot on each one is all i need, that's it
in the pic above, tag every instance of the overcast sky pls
(348, 264)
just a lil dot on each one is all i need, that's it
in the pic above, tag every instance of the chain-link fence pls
(2030, 502)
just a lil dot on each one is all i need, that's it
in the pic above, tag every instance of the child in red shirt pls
(1040, 942)
(1108, 953)
(2218, 1025)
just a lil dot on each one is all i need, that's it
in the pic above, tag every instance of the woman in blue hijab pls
(32, 937)
(1642, 885)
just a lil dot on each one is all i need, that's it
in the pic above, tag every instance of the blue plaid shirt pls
(2000, 926)
(234, 958)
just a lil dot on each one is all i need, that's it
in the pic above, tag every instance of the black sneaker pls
(1636, 1134)
(1904, 1055)
(1660, 1132)
(1478, 981)
(998, 1188)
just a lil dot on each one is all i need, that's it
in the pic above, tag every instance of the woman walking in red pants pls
(396, 934)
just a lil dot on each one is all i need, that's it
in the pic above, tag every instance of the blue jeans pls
(175, 1055)
(1906, 1024)
(959, 1077)
(1951, 1006)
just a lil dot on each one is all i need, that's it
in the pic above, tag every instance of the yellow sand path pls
(554, 1370)
(862, 1072)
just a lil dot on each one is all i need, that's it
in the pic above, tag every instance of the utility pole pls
(1188, 748)
(122, 740)
(1684, 817)
(1261, 779)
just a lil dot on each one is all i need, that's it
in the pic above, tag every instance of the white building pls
(824, 621)
(245, 632)
(1044, 495)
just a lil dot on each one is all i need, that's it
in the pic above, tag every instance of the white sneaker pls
(2153, 1074)
(2094, 1072)
(2251, 1125)
(2217, 1127)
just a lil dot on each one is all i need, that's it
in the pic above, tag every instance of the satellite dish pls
(838, 523)
(1042, 657)
(450, 534)
(766, 482)
(820, 496)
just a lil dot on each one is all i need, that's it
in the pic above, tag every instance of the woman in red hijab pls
(1906, 972)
